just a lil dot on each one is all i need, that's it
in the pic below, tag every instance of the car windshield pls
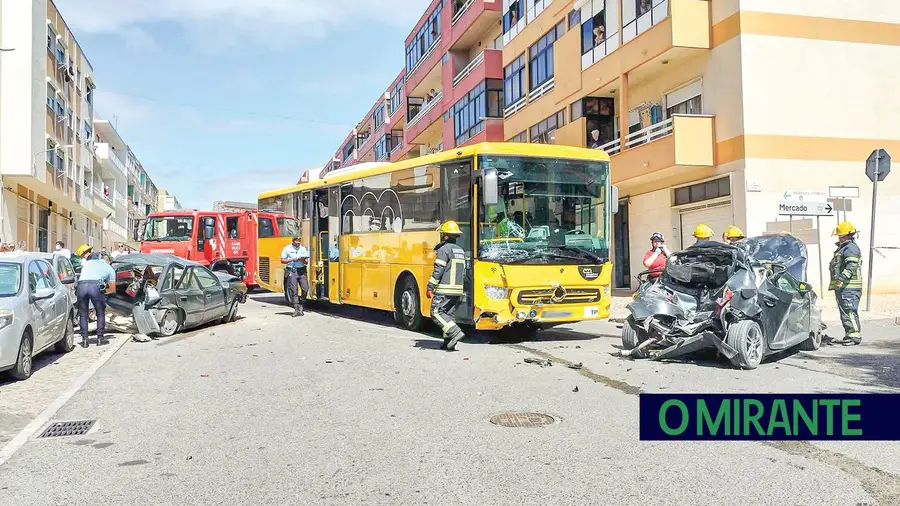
(550, 211)
(10, 279)
(169, 228)
(288, 227)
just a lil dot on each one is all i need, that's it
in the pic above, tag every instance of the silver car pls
(35, 311)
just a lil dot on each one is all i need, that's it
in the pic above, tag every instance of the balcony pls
(120, 199)
(665, 150)
(668, 30)
(110, 160)
(424, 108)
(426, 121)
(470, 20)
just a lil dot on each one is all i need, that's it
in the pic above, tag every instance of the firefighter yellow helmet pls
(703, 231)
(734, 233)
(450, 228)
(84, 248)
(844, 228)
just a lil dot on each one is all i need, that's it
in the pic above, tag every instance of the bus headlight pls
(6, 318)
(606, 290)
(495, 292)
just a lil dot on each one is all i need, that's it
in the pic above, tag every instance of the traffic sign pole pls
(872, 229)
(819, 244)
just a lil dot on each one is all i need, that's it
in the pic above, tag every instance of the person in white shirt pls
(295, 257)
(60, 249)
(120, 250)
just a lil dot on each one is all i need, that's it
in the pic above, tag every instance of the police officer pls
(295, 258)
(846, 280)
(732, 235)
(96, 281)
(445, 287)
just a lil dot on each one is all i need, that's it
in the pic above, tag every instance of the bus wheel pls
(407, 310)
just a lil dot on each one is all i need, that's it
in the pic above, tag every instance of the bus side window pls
(231, 226)
(265, 228)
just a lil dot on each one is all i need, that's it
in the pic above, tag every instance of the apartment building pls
(448, 94)
(109, 180)
(143, 197)
(711, 110)
(46, 110)
(165, 201)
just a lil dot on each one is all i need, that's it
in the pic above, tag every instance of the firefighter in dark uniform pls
(445, 287)
(846, 280)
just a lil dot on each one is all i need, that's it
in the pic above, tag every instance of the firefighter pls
(846, 280)
(732, 235)
(445, 287)
(295, 258)
(96, 281)
(702, 235)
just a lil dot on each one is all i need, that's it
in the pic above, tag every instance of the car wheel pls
(171, 322)
(22, 369)
(632, 337)
(747, 338)
(408, 312)
(813, 342)
(67, 342)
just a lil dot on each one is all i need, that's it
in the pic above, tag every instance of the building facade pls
(46, 131)
(713, 111)
(110, 179)
(165, 201)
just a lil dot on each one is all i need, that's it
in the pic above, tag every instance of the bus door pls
(333, 272)
(319, 258)
(458, 205)
(307, 234)
(206, 238)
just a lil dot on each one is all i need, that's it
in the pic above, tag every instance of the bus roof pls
(501, 148)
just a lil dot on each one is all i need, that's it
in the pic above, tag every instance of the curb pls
(41, 420)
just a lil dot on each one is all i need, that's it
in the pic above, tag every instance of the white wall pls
(648, 213)
(886, 11)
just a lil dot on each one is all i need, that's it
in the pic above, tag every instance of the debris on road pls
(575, 389)
(204, 375)
(577, 366)
(538, 361)
(141, 338)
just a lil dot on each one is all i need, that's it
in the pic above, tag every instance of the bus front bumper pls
(542, 316)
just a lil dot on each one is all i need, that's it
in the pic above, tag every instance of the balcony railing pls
(424, 56)
(514, 108)
(461, 10)
(542, 90)
(425, 108)
(468, 68)
(640, 24)
(120, 197)
(642, 136)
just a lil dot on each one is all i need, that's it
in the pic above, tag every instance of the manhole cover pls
(70, 428)
(517, 419)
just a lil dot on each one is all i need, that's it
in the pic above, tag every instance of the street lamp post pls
(34, 158)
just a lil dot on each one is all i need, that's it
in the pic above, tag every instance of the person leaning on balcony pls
(599, 34)
(595, 139)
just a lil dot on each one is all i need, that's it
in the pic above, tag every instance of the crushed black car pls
(748, 301)
(166, 294)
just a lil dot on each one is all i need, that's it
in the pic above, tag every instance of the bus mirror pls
(489, 181)
(614, 199)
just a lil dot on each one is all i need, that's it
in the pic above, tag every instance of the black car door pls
(213, 294)
(190, 298)
(776, 303)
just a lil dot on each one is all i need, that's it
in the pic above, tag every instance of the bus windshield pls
(169, 228)
(550, 211)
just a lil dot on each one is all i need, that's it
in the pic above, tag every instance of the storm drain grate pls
(519, 419)
(70, 428)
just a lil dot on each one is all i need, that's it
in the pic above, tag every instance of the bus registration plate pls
(591, 311)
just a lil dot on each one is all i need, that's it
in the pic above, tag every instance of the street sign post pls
(878, 166)
(806, 203)
(842, 196)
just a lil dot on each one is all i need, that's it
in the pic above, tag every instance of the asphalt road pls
(344, 408)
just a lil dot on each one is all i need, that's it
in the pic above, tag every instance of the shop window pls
(699, 192)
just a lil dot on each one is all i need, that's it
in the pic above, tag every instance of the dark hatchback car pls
(165, 294)
(747, 301)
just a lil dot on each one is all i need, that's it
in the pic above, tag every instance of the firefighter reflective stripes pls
(440, 262)
(846, 266)
(449, 270)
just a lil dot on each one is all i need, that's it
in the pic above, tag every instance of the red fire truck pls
(221, 240)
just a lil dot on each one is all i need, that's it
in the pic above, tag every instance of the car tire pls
(22, 369)
(408, 312)
(631, 337)
(812, 343)
(232, 313)
(67, 342)
(170, 323)
(747, 338)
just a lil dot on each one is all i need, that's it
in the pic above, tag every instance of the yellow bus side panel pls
(351, 278)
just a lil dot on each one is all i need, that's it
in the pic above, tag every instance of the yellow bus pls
(539, 255)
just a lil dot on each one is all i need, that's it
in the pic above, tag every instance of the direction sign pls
(843, 192)
(882, 159)
(805, 196)
(804, 208)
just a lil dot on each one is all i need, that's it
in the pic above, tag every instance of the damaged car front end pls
(743, 301)
(164, 294)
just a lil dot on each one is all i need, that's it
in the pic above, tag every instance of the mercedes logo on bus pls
(559, 295)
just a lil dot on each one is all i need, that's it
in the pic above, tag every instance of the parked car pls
(36, 311)
(748, 301)
(64, 270)
(165, 294)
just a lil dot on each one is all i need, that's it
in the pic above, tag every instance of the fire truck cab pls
(221, 240)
